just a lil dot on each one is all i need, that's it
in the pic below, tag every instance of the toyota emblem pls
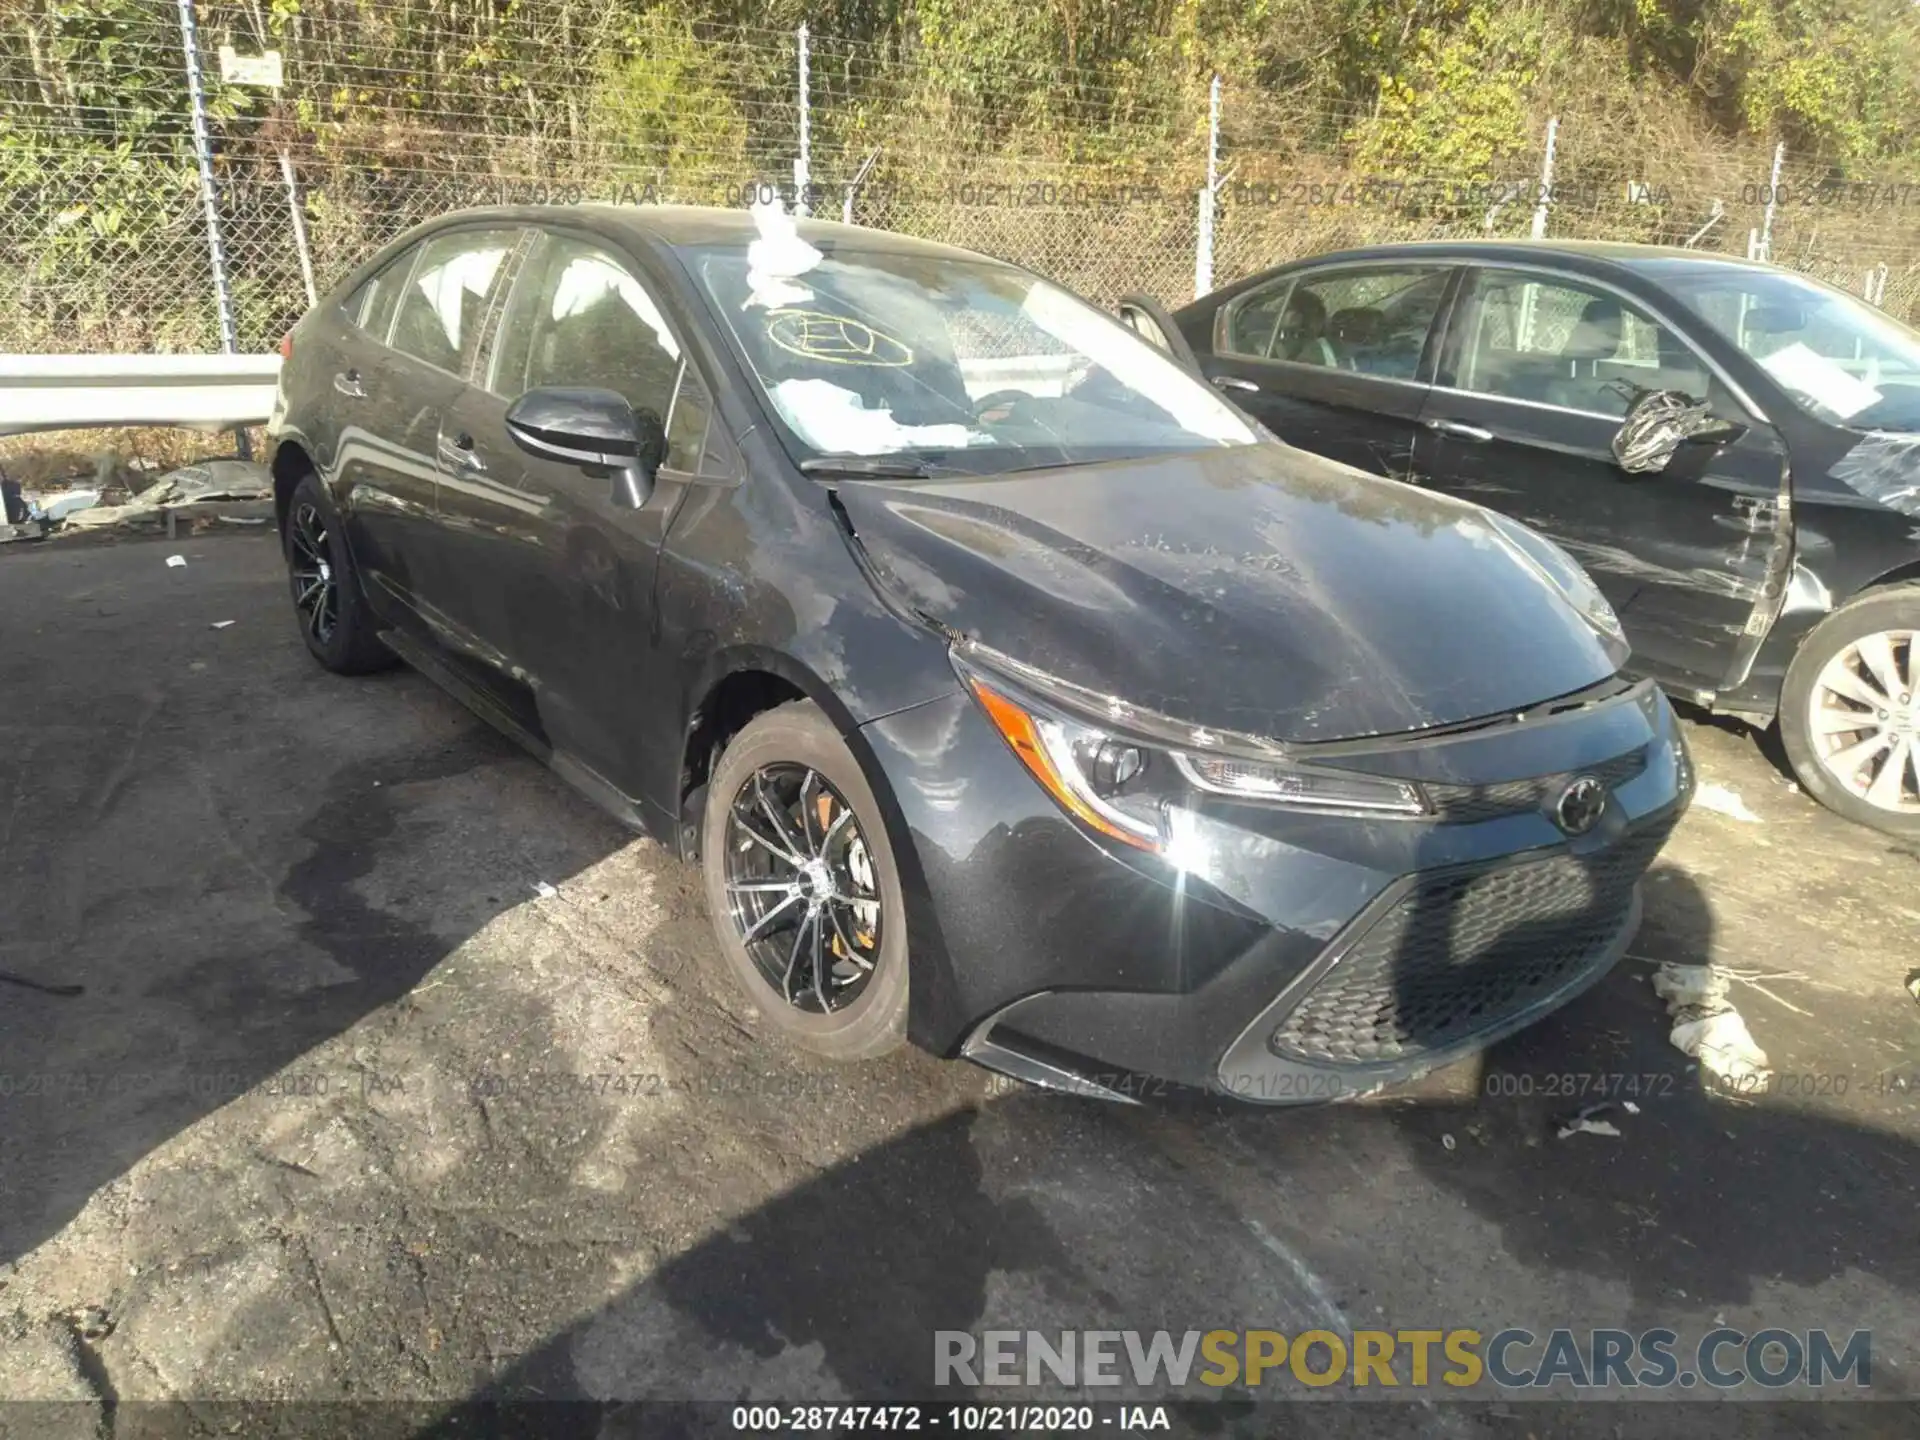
(1580, 805)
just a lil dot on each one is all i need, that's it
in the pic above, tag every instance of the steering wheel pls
(998, 399)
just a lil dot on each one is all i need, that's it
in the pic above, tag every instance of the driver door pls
(563, 559)
(1537, 371)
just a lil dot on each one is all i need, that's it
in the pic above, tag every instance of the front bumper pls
(1285, 957)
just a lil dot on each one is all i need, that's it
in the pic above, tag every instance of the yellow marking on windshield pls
(835, 339)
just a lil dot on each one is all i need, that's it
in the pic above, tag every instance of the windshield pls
(960, 364)
(1839, 358)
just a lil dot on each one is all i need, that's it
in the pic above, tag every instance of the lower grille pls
(1458, 954)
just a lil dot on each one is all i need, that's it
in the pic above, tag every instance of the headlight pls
(1121, 777)
(1301, 786)
(1564, 573)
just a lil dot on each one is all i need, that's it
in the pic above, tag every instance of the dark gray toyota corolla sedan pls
(1015, 694)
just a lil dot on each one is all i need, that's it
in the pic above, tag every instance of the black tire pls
(344, 638)
(798, 736)
(1893, 609)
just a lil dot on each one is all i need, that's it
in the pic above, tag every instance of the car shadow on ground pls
(232, 854)
(1040, 1212)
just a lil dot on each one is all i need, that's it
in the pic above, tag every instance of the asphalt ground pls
(352, 1109)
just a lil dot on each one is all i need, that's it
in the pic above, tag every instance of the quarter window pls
(371, 306)
(577, 316)
(1559, 342)
(445, 305)
(1367, 320)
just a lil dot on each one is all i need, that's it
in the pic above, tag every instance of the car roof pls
(1592, 254)
(682, 226)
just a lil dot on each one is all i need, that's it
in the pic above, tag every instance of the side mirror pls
(1148, 319)
(1660, 422)
(594, 429)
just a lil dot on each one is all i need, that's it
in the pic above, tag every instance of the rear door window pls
(445, 304)
(1368, 320)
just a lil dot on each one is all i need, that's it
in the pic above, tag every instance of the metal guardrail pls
(201, 392)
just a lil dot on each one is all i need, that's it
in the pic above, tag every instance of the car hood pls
(1257, 589)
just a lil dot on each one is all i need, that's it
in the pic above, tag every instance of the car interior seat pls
(1580, 383)
(606, 345)
(1356, 334)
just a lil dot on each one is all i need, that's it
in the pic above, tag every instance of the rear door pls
(560, 564)
(385, 493)
(415, 379)
(1333, 359)
(1536, 373)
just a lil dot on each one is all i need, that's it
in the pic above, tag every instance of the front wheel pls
(1850, 712)
(803, 887)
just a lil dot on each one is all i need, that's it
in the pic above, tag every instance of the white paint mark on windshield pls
(833, 419)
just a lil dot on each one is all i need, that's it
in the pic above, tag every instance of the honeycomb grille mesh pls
(1461, 953)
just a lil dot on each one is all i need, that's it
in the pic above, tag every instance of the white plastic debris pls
(1586, 1121)
(1699, 986)
(176, 562)
(58, 507)
(776, 257)
(220, 624)
(544, 890)
(1448, 1141)
(1583, 1125)
(1725, 1048)
(1723, 800)
(1707, 1027)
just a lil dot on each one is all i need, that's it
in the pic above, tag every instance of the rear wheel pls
(1850, 711)
(332, 610)
(803, 887)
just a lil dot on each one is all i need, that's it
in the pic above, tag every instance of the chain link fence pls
(388, 112)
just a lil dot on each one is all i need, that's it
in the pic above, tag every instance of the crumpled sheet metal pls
(189, 485)
(1657, 426)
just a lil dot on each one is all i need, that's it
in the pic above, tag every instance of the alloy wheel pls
(316, 595)
(801, 888)
(1864, 719)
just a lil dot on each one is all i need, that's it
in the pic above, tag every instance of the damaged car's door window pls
(1561, 342)
(975, 364)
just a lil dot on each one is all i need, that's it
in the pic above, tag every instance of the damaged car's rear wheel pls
(803, 888)
(334, 619)
(1850, 711)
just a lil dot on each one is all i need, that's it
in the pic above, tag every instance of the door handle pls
(347, 382)
(1459, 430)
(1233, 382)
(458, 452)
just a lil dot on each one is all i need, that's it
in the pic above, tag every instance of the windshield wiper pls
(871, 467)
